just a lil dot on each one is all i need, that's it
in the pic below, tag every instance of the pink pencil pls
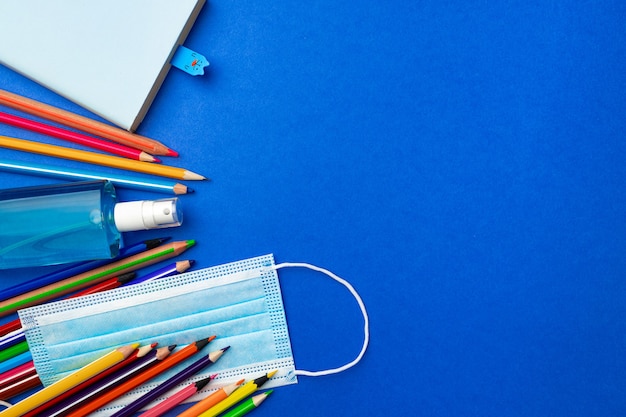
(19, 372)
(177, 398)
(78, 138)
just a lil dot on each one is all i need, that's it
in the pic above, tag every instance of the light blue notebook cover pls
(110, 57)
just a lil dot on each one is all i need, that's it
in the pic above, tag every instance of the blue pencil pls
(11, 339)
(15, 361)
(76, 269)
(120, 180)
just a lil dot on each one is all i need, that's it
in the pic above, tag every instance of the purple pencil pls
(162, 388)
(97, 389)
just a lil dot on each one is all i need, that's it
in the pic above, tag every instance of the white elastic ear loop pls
(366, 330)
(5, 404)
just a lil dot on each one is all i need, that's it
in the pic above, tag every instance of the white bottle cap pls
(147, 214)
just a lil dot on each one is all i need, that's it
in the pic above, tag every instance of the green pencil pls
(13, 351)
(248, 405)
(80, 281)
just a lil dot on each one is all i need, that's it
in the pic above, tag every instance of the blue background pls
(460, 163)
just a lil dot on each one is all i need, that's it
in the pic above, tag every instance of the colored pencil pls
(18, 335)
(248, 405)
(208, 402)
(84, 124)
(241, 393)
(17, 373)
(11, 339)
(119, 180)
(93, 391)
(170, 383)
(95, 276)
(69, 381)
(174, 268)
(15, 361)
(76, 269)
(20, 387)
(78, 138)
(13, 351)
(141, 378)
(137, 355)
(177, 398)
(98, 159)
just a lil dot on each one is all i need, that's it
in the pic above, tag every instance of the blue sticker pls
(189, 61)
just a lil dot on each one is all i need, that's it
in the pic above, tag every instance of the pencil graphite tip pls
(240, 381)
(268, 392)
(271, 374)
(153, 243)
(190, 190)
(224, 349)
(171, 347)
(171, 152)
(127, 277)
(190, 242)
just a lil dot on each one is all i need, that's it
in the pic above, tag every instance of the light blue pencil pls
(125, 181)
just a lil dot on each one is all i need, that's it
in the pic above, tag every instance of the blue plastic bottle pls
(62, 223)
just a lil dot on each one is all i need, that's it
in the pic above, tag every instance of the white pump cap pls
(147, 214)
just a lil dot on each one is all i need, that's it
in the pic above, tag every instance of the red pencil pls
(75, 137)
(16, 374)
(19, 387)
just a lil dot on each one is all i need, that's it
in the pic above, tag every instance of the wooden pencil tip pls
(192, 176)
(146, 157)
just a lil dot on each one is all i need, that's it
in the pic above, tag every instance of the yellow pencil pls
(69, 382)
(241, 393)
(98, 159)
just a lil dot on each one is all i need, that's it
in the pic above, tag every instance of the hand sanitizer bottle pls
(62, 223)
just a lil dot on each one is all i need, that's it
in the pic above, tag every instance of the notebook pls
(109, 57)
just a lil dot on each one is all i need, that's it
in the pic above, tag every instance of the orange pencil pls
(143, 377)
(208, 402)
(84, 124)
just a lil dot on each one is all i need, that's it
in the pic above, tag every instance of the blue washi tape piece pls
(189, 61)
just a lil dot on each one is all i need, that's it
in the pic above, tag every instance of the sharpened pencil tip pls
(190, 190)
(271, 374)
(240, 381)
(190, 242)
(171, 152)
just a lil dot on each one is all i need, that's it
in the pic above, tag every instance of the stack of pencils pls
(17, 370)
(118, 148)
(119, 372)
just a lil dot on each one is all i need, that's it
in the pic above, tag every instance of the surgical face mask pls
(240, 303)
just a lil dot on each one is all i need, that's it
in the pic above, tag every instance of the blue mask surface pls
(239, 302)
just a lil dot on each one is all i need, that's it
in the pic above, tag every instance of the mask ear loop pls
(366, 331)
(5, 404)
